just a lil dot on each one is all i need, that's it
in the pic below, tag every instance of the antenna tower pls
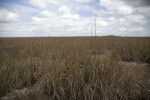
(95, 23)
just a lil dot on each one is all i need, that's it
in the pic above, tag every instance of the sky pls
(35, 18)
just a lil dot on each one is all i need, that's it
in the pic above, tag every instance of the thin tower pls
(91, 27)
(91, 30)
(95, 23)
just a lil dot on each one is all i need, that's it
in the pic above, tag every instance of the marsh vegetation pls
(75, 68)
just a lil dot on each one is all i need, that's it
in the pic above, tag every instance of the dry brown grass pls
(74, 68)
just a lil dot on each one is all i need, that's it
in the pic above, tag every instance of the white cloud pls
(137, 29)
(66, 13)
(43, 3)
(111, 4)
(123, 29)
(125, 10)
(137, 19)
(127, 20)
(65, 23)
(37, 20)
(144, 10)
(64, 9)
(46, 13)
(101, 22)
(6, 16)
(57, 18)
(70, 16)
(84, 1)
(117, 5)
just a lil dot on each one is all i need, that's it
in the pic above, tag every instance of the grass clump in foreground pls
(74, 68)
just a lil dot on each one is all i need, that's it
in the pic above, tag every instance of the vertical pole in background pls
(95, 24)
(91, 27)
(91, 30)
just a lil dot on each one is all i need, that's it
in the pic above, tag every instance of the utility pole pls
(95, 23)
(91, 26)
(91, 30)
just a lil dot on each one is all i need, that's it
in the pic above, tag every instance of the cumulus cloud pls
(64, 9)
(72, 24)
(117, 5)
(7, 17)
(127, 7)
(123, 29)
(102, 22)
(144, 10)
(84, 1)
(43, 3)
(137, 19)
(55, 22)
(67, 18)
(46, 13)
(137, 3)
(70, 16)
(111, 4)
(66, 13)
(125, 10)
(37, 20)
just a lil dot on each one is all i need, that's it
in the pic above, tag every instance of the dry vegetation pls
(75, 68)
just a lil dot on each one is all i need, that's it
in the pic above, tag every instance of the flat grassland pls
(75, 68)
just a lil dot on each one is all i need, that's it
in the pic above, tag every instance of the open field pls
(75, 68)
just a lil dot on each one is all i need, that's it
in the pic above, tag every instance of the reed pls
(74, 68)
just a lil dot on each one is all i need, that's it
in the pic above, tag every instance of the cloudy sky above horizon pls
(19, 18)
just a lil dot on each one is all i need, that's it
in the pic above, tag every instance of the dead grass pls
(74, 68)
